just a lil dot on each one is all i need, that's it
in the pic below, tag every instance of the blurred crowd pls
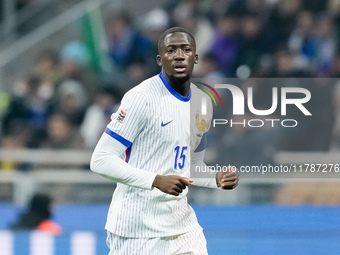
(64, 101)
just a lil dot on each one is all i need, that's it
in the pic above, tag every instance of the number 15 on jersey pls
(180, 156)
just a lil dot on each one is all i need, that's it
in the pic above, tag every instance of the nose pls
(179, 54)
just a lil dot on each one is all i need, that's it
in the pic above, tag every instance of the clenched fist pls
(228, 178)
(171, 184)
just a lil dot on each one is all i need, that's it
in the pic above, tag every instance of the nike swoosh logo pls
(164, 124)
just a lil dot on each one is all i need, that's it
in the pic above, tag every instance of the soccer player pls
(148, 148)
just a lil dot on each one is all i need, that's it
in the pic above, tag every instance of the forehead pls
(178, 38)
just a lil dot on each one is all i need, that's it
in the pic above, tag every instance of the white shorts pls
(192, 243)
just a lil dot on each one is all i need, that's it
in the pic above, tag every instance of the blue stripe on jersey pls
(202, 144)
(174, 92)
(119, 138)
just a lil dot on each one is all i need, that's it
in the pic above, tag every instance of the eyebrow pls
(174, 44)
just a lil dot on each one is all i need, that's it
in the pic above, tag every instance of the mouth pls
(180, 68)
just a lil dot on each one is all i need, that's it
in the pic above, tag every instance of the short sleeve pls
(129, 119)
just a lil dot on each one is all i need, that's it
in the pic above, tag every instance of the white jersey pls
(153, 122)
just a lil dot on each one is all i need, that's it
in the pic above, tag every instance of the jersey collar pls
(174, 92)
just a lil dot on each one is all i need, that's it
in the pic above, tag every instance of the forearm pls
(205, 182)
(199, 177)
(106, 161)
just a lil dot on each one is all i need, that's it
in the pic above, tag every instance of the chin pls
(181, 76)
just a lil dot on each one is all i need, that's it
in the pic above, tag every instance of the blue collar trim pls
(174, 92)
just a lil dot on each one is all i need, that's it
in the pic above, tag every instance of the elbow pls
(94, 166)
(99, 161)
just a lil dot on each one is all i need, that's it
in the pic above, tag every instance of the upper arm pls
(129, 120)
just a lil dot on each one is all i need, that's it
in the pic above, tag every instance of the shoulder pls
(199, 98)
(196, 91)
(198, 95)
(146, 89)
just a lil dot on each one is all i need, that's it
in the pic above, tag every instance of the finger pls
(180, 185)
(174, 193)
(177, 189)
(230, 182)
(229, 179)
(227, 175)
(229, 185)
(185, 181)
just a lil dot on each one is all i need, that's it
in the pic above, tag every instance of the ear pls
(196, 59)
(158, 59)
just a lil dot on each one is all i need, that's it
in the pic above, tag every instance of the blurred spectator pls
(326, 45)
(61, 134)
(28, 110)
(74, 56)
(316, 6)
(38, 216)
(97, 116)
(280, 23)
(302, 41)
(225, 44)
(333, 9)
(74, 64)
(154, 23)
(259, 8)
(10, 142)
(48, 67)
(136, 73)
(335, 67)
(285, 65)
(209, 68)
(71, 101)
(217, 8)
(125, 43)
(251, 47)
(199, 26)
(185, 7)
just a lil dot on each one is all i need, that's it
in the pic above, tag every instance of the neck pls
(180, 85)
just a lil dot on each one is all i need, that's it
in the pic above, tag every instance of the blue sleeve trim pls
(119, 138)
(202, 144)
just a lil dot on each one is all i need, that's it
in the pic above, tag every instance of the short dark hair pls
(171, 31)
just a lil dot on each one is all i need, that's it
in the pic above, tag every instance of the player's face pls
(177, 56)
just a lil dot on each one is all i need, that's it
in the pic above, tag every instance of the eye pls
(187, 50)
(170, 51)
